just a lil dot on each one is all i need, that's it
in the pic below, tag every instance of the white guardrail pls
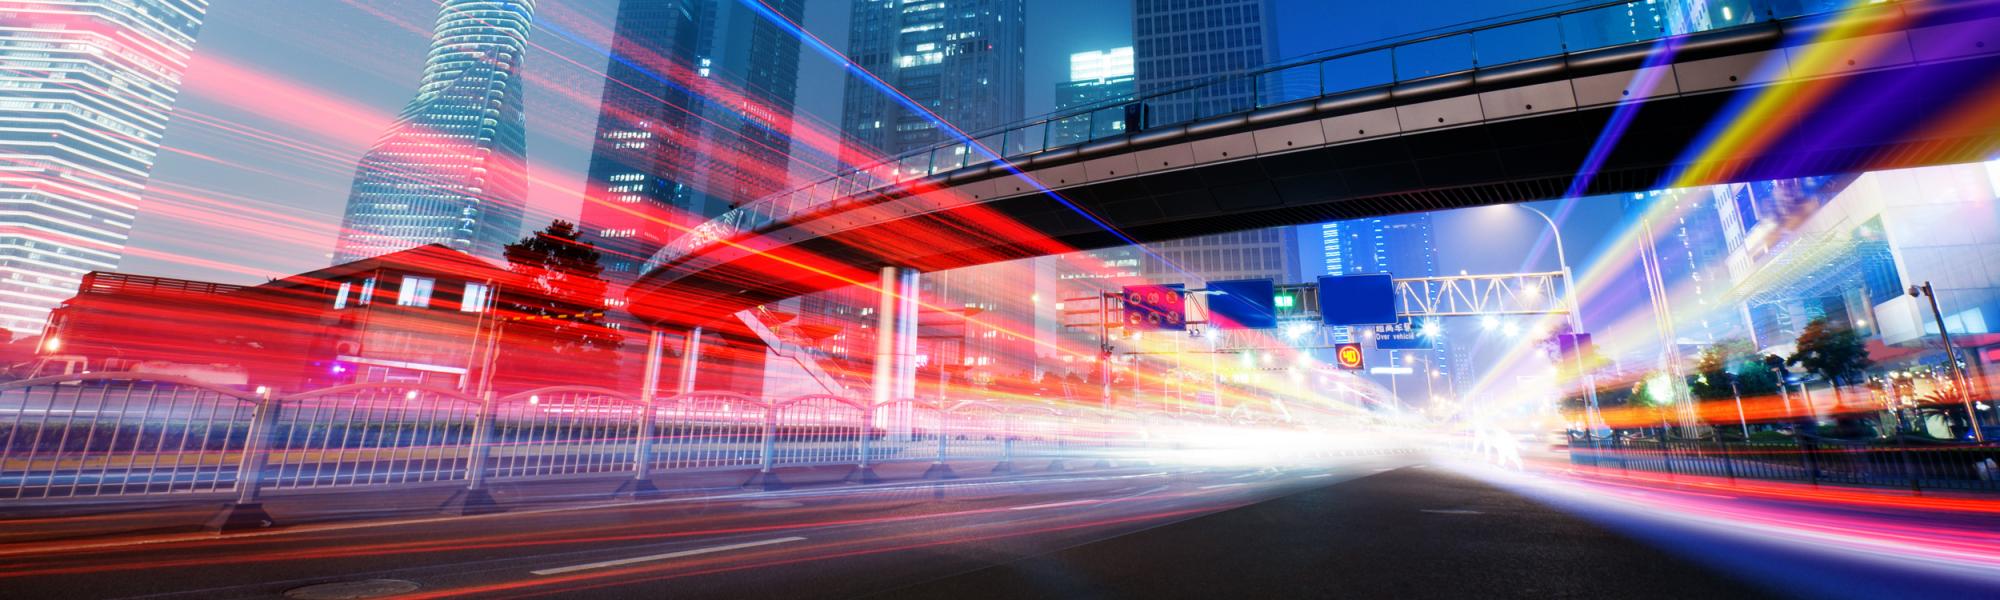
(115, 435)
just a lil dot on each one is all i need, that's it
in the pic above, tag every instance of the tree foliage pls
(1726, 362)
(1835, 353)
(561, 315)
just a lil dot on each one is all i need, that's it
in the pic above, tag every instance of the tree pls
(1837, 354)
(557, 324)
(1726, 362)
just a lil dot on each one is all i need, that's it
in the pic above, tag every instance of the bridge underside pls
(1884, 119)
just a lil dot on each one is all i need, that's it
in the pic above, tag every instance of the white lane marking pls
(1385, 469)
(1053, 504)
(639, 559)
(1450, 511)
(1317, 476)
(1220, 485)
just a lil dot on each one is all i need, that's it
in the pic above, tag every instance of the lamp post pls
(1575, 315)
(1951, 361)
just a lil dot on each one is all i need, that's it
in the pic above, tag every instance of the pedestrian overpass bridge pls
(1425, 124)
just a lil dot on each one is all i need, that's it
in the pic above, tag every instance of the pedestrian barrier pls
(1896, 461)
(121, 435)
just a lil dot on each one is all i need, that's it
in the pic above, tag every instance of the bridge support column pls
(690, 358)
(895, 362)
(641, 483)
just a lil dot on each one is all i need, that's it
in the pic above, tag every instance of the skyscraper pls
(1094, 77)
(1180, 44)
(633, 177)
(960, 59)
(694, 120)
(89, 87)
(452, 170)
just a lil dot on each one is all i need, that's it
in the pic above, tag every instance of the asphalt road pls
(1374, 527)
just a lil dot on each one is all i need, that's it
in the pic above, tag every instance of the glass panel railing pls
(1107, 122)
(1027, 140)
(1225, 97)
(988, 148)
(1069, 131)
(1611, 26)
(1358, 71)
(1286, 85)
(913, 167)
(948, 159)
(1169, 109)
(1540, 38)
(1429, 58)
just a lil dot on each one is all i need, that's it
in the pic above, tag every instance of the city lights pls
(851, 298)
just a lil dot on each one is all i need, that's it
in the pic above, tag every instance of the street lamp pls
(1575, 310)
(1951, 361)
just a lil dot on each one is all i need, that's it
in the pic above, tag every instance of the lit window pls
(416, 291)
(340, 297)
(476, 296)
(367, 292)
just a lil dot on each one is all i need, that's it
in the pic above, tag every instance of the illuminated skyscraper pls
(694, 120)
(86, 88)
(452, 170)
(1180, 44)
(962, 59)
(1094, 77)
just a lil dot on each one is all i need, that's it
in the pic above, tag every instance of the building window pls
(416, 291)
(340, 297)
(476, 296)
(367, 292)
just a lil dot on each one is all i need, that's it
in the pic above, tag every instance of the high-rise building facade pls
(695, 119)
(1179, 44)
(1095, 78)
(452, 169)
(87, 90)
(960, 59)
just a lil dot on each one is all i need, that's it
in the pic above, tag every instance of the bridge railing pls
(1373, 68)
(128, 436)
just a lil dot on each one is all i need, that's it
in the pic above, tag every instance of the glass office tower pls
(86, 88)
(452, 170)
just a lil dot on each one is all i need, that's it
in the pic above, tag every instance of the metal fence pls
(1914, 463)
(117, 435)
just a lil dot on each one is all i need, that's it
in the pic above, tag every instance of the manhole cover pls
(773, 504)
(352, 590)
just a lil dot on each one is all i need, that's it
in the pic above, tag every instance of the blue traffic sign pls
(1357, 299)
(1243, 304)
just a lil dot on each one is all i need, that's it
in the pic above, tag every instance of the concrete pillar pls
(641, 483)
(896, 346)
(690, 357)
